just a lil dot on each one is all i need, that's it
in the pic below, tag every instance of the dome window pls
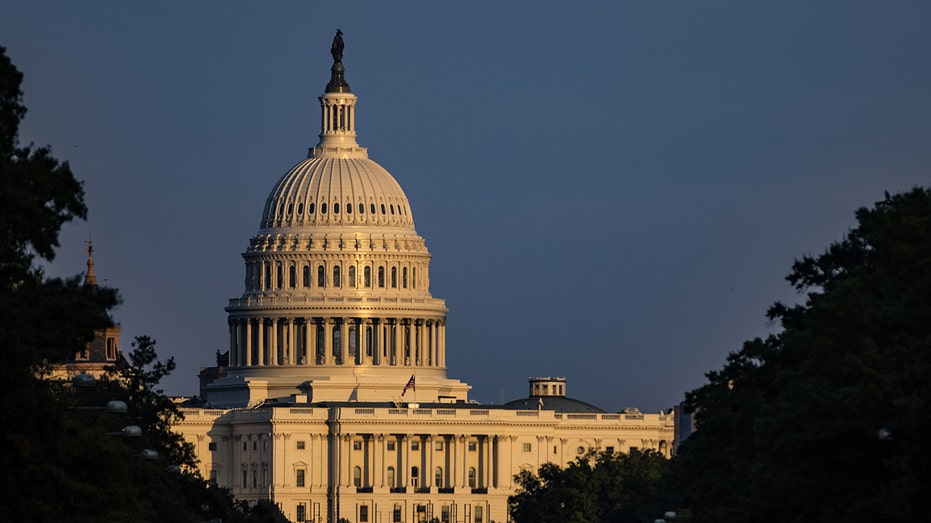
(367, 276)
(372, 208)
(392, 209)
(361, 208)
(306, 276)
(310, 209)
(322, 208)
(381, 277)
(292, 276)
(290, 208)
(335, 208)
(336, 280)
(300, 208)
(414, 278)
(404, 277)
(348, 208)
(352, 273)
(394, 277)
(383, 208)
(321, 276)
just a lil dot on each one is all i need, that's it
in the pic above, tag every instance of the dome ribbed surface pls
(331, 191)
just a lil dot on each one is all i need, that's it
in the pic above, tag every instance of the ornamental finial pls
(338, 82)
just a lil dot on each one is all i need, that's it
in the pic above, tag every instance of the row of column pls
(408, 342)
(370, 453)
(338, 115)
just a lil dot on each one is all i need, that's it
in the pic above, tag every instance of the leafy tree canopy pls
(64, 456)
(827, 420)
(605, 487)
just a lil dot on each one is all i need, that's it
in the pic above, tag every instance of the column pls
(378, 460)
(452, 444)
(248, 358)
(464, 473)
(405, 450)
(399, 342)
(233, 341)
(496, 463)
(486, 459)
(273, 343)
(441, 345)
(261, 342)
(349, 472)
(428, 460)
(344, 341)
(292, 343)
(327, 341)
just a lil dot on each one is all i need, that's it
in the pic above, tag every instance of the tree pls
(62, 454)
(828, 419)
(605, 487)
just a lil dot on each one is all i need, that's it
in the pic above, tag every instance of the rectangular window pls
(478, 513)
(300, 477)
(439, 445)
(363, 513)
(356, 445)
(444, 512)
(300, 445)
(609, 450)
(301, 512)
(526, 447)
(397, 513)
(390, 445)
(212, 445)
(471, 446)
(265, 445)
(415, 445)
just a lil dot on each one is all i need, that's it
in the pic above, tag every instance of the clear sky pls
(612, 192)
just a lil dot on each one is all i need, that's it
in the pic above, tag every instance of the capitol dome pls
(337, 302)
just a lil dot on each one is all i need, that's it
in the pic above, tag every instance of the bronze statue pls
(337, 48)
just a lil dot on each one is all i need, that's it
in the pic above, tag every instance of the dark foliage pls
(595, 488)
(827, 420)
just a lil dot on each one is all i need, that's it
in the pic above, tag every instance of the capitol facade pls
(333, 400)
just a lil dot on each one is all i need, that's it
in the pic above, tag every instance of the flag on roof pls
(410, 385)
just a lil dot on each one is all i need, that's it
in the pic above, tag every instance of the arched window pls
(267, 282)
(415, 477)
(367, 275)
(438, 477)
(306, 276)
(352, 274)
(404, 277)
(390, 478)
(368, 341)
(381, 277)
(394, 277)
(111, 348)
(292, 276)
(471, 477)
(413, 277)
(279, 281)
(336, 276)
(357, 476)
(321, 276)
(337, 339)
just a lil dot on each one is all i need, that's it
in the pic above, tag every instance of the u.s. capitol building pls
(333, 400)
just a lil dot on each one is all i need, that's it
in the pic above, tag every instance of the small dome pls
(557, 403)
(331, 191)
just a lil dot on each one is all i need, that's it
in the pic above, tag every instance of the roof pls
(557, 403)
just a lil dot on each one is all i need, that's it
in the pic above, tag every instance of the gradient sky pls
(612, 192)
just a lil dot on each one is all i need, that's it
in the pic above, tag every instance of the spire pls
(90, 279)
(338, 112)
(337, 79)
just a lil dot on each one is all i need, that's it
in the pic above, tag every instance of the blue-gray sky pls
(612, 191)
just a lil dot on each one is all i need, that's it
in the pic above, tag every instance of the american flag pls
(410, 385)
